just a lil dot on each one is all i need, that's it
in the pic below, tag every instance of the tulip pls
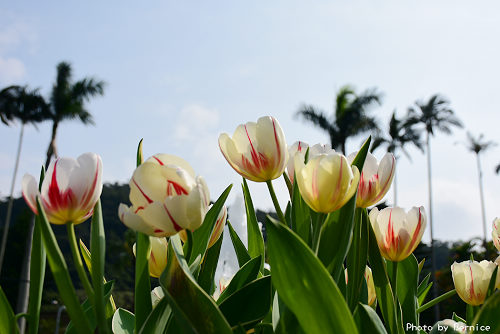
(69, 190)
(166, 197)
(216, 232)
(300, 148)
(471, 280)
(496, 233)
(257, 151)
(326, 181)
(372, 296)
(157, 259)
(398, 233)
(375, 178)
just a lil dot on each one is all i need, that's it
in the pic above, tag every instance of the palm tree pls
(349, 119)
(435, 114)
(401, 132)
(27, 106)
(67, 101)
(477, 145)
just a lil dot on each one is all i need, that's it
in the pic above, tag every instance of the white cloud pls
(11, 70)
(194, 121)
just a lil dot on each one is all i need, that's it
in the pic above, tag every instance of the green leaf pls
(239, 247)
(488, 314)
(381, 281)
(493, 280)
(255, 240)
(191, 305)
(7, 319)
(61, 274)
(368, 320)
(139, 153)
(357, 257)
(284, 321)
(201, 236)
(98, 248)
(301, 215)
(158, 320)
(263, 329)
(246, 274)
(456, 318)
(142, 296)
(424, 284)
(248, 305)
(123, 321)
(209, 266)
(407, 289)
(305, 285)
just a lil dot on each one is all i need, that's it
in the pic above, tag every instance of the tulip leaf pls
(158, 320)
(7, 319)
(284, 321)
(239, 247)
(209, 266)
(263, 329)
(37, 274)
(192, 307)
(123, 322)
(142, 296)
(488, 315)
(357, 257)
(423, 294)
(301, 215)
(248, 305)
(368, 320)
(255, 240)
(246, 274)
(61, 274)
(201, 236)
(305, 285)
(422, 287)
(407, 289)
(381, 281)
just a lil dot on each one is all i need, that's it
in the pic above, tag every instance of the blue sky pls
(180, 73)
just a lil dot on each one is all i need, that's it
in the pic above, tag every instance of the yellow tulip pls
(69, 190)
(372, 296)
(327, 181)
(471, 280)
(217, 231)
(157, 257)
(398, 233)
(166, 197)
(300, 148)
(257, 151)
(375, 180)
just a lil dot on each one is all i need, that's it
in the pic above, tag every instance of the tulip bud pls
(157, 257)
(326, 181)
(69, 190)
(495, 234)
(372, 296)
(398, 233)
(375, 179)
(166, 197)
(257, 151)
(216, 232)
(471, 280)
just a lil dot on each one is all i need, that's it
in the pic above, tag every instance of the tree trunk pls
(11, 198)
(481, 196)
(433, 250)
(52, 150)
(24, 279)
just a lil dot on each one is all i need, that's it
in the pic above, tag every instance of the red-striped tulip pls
(375, 179)
(300, 148)
(398, 233)
(495, 234)
(157, 260)
(326, 181)
(472, 278)
(216, 232)
(166, 197)
(257, 151)
(69, 190)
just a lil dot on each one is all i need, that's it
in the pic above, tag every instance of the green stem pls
(78, 262)
(288, 184)
(436, 300)
(319, 219)
(275, 202)
(394, 282)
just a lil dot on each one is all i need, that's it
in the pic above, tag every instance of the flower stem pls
(288, 184)
(275, 202)
(436, 300)
(394, 282)
(78, 261)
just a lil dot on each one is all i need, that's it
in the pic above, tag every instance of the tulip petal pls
(169, 159)
(134, 221)
(30, 191)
